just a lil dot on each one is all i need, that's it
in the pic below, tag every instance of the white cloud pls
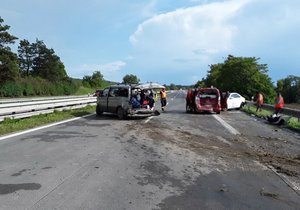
(205, 27)
(113, 67)
(148, 10)
(184, 42)
(110, 71)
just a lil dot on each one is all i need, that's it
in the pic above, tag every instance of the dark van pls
(204, 100)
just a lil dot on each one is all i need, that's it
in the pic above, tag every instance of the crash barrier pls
(22, 107)
(285, 111)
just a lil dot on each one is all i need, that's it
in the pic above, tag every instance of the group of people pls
(146, 98)
(278, 103)
(142, 99)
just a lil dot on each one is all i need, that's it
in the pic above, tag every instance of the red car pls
(203, 100)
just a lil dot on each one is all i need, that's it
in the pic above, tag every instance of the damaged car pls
(126, 101)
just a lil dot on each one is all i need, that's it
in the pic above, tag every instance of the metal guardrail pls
(285, 111)
(21, 108)
(16, 100)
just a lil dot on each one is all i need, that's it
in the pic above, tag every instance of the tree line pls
(36, 70)
(247, 76)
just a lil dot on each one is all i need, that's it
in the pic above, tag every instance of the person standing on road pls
(279, 102)
(259, 101)
(151, 99)
(163, 98)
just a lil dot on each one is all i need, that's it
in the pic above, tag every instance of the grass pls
(85, 91)
(90, 91)
(13, 125)
(293, 122)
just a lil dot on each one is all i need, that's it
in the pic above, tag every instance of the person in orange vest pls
(279, 102)
(259, 101)
(163, 98)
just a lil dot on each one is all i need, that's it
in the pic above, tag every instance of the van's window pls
(105, 92)
(118, 92)
(123, 92)
(209, 93)
(113, 92)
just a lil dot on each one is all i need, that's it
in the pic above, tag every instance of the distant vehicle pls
(235, 101)
(203, 100)
(123, 100)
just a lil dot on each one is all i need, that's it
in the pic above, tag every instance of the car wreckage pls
(128, 100)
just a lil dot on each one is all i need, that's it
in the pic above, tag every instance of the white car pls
(235, 101)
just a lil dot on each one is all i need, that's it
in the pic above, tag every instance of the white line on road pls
(40, 128)
(292, 184)
(226, 125)
(149, 118)
(223, 140)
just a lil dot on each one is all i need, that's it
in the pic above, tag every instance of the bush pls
(36, 86)
(11, 89)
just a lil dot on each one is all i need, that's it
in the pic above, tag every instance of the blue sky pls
(166, 41)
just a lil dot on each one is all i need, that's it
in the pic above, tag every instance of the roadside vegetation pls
(15, 125)
(36, 70)
(247, 76)
(293, 123)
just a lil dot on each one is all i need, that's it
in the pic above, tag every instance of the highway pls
(171, 161)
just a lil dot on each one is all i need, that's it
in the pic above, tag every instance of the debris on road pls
(268, 194)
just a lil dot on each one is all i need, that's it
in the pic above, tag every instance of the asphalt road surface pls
(172, 161)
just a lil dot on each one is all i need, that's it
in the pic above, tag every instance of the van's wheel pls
(120, 113)
(98, 110)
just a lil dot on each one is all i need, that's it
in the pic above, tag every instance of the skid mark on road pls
(226, 125)
(12, 188)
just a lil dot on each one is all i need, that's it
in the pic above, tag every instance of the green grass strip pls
(13, 125)
(293, 123)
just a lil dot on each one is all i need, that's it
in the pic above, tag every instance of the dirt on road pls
(272, 152)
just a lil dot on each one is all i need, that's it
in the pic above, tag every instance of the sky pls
(165, 41)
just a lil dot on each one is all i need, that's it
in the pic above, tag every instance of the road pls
(172, 161)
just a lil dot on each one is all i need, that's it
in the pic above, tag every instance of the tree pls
(213, 75)
(200, 83)
(5, 37)
(290, 89)
(26, 57)
(9, 70)
(242, 74)
(46, 64)
(97, 79)
(130, 79)
(94, 81)
(173, 86)
(86, 81)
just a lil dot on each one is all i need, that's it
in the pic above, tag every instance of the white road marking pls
(223, 140)
(149, 118)
(226, 125)
(291, 183)
(40, 128)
